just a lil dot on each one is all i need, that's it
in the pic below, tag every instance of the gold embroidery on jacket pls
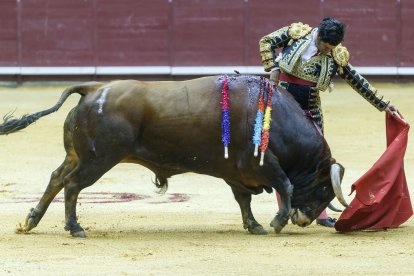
(340, 55)
(269, 42)
(290, 58)
(318, 69)
(298, 30)
(327, 66)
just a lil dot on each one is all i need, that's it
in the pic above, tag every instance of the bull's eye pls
(306, 209)
(321, 192)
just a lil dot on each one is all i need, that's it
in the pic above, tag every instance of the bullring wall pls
(173, 37)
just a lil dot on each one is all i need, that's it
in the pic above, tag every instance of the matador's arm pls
(362, 86)
(355, 80)
(280, 39)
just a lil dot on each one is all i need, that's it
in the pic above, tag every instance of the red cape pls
(382, 199)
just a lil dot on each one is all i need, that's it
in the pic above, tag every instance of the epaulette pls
(298, 30)
(341, 55)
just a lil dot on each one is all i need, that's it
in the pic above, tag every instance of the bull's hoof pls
(78, 234)
(278, 229)
(277, 225)
(254, 227)
(20, 229)
(271, 223)
(75, 230)
(29, 224)
(258, 230)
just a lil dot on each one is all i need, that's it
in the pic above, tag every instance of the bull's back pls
(169, 120)
(180, 121)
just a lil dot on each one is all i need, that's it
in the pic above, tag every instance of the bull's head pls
(327, 186)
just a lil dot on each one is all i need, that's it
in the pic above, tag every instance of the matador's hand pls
(392, 110)
(274, 76)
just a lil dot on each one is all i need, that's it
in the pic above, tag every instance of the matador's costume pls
(304, 79)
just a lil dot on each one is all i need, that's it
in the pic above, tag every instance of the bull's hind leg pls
(54, 187)
(249, 222)
(84, 175)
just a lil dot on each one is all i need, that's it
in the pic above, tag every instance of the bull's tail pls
(11, 125)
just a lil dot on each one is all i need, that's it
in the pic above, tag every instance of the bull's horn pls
(336, 183)
(333, 208)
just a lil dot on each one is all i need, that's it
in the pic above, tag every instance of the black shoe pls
(328, 222)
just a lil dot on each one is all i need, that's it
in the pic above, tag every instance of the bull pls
(173, 127)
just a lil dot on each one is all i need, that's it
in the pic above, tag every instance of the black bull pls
(175, 127)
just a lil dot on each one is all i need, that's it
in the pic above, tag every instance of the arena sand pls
(195, 228)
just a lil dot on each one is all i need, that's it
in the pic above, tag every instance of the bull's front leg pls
(249, 222)
(282, 217)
